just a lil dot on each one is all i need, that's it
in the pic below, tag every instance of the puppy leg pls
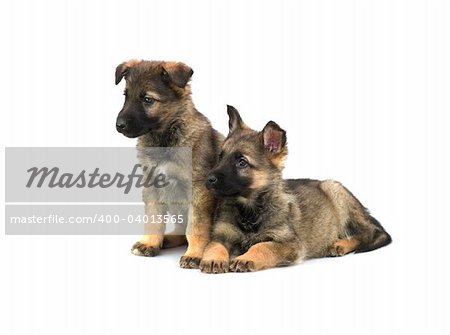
(193, 255)
(197, 237)
(266, 255)
(150, 244)
(224, 239)
(199, 227)
(215, 258)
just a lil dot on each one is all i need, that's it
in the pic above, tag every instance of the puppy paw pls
(189, 262)
(141, 249)
(338, 248)
(214, 266)
(242, 265)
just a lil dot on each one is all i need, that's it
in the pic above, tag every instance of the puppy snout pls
(211, 180)
(121, 124)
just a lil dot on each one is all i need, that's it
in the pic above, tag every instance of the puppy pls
(263, 221)
(159, 111)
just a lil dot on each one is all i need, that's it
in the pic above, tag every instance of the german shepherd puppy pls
(159, 111)
(263, 221)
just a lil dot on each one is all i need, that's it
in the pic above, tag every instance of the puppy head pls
(250, 160)
(155, 93)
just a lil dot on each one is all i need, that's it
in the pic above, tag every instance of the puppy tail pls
(357, 221)
(378, 239)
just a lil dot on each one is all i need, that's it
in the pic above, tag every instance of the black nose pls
(121, 124)
(211, 180)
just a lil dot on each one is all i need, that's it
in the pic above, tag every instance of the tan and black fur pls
(263, 221)
(158, 109)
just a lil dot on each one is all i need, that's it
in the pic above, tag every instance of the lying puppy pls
(266, 221)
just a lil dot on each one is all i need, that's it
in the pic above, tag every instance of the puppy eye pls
(148, 100)
(242, 163)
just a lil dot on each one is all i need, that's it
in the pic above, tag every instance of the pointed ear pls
(176, 73)
(122, 69)
(235, 121)
(274, 139)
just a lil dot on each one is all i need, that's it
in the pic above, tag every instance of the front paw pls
(189, 262)
(141, 249)
(242, 265)
(214, 266)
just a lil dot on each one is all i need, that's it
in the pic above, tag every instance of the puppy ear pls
(122, 69)
(274, 139)
(235, 121)
(176, 73)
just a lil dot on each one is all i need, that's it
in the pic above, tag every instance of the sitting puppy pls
(263, 221)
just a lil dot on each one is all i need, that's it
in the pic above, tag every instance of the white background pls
(362, 88)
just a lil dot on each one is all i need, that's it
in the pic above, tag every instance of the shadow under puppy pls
(263, 221)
